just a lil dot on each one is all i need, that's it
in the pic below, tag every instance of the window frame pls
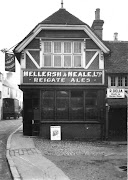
(47, 54)
(124, 81)
(63, 54)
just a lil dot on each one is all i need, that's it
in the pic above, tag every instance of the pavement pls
(27, 163)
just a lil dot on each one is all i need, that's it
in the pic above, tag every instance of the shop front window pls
(70, 105)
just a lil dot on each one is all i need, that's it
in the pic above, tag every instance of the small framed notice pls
(55, 132)
(115, 93)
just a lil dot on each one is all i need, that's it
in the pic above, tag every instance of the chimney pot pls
(97, 14)
(115, 36)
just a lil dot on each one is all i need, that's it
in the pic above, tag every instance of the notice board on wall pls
(55, 132)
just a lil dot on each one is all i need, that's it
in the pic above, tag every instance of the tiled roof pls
(62, 17)
(117, 61)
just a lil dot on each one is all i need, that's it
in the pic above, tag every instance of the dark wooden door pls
(27, 117)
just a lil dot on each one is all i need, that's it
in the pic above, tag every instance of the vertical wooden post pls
(126, 94)
(107, 123)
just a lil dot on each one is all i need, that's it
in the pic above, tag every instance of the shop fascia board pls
(39, 28)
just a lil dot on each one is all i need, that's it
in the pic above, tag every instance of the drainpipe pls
(107, 123)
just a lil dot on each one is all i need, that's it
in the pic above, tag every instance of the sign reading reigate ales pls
(63, 77)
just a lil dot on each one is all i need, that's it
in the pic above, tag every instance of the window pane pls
(77, 47)
(62, 94)
(91, 102)
(91, 114)
(47, 47)
(91, 109)
(47, 60)
(67, 61)
(126, 80)
(48, 109)
(47, 112)
(62, 108)
(91, 98)
(77, 61)
(57, 47)
(57, 61)
(113, 81)
(91, 94)
(62, 105)
(48, 94)
(67, 47)
(120, 81)
(75, 94)
(77, 108)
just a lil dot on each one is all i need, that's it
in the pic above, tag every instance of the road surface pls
(6, 128)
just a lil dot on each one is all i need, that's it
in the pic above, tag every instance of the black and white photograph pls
(63, 89)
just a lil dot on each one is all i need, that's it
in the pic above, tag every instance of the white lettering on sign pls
(63, 76)
(115, 93)
(60, 74)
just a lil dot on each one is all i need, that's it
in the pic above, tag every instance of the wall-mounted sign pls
(9, 62)
(115, 93)
(55, 132)
(63, 77)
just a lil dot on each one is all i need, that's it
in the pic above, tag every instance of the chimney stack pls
(97, 25)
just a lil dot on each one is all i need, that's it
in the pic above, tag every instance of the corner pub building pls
(63, 77)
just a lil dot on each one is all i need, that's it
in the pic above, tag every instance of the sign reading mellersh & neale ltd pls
(57, 77)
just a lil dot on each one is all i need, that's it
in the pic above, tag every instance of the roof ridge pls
(62, 16)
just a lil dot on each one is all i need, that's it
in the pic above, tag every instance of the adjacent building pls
(117, 79)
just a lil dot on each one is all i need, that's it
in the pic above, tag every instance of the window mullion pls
(62, 54)
(116, 81)
(72, 54)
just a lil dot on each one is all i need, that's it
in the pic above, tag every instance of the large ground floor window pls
(72, 105)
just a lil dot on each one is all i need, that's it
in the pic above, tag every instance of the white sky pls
(19, 17)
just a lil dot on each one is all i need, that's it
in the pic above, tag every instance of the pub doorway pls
(118, 123)
(31, 112)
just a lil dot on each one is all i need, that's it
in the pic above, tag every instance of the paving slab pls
(27, 163)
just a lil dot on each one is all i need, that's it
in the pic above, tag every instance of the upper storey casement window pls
(60, 54)
(118, 81)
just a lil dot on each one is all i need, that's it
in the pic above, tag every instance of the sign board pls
(9, 62)
(55, 132)
(115, 93)
(63, 77)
